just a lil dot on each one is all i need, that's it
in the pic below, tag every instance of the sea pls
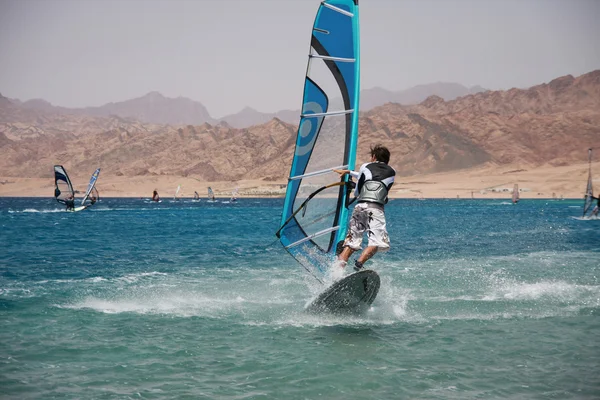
(479, 299)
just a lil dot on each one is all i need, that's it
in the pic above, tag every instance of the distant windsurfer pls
(196, 196)
(155, 196)
(596, 209)
(70, 203)
(374, 181)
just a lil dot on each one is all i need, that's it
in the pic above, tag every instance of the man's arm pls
(343, 172)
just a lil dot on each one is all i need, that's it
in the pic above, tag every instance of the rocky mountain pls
(156, 108)
(19, 122)
(553, 123)
(371, 98)
(150, 108)
(249, 117)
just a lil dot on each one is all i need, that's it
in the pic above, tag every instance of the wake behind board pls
(587, 218)
(351, 295)
(79, 208)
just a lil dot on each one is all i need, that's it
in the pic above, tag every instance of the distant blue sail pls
(91, 185)
(315, 213)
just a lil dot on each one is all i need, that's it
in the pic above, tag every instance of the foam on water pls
(485, 302)
(33, 210)
(551, 291)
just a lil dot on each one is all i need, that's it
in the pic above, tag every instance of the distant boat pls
(588, 198)
(515, 194)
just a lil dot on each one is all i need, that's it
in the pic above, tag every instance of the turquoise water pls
(480, 299)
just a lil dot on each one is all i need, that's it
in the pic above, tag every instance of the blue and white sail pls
(91, 186)
(63, 189)
(315, 212)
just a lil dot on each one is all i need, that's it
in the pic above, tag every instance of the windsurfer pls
(70, 203)
(596, 209)
(155, 196)
(374, 181)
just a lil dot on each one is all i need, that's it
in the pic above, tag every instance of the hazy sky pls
(228, 54)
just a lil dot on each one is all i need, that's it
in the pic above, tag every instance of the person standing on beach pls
(374, 181)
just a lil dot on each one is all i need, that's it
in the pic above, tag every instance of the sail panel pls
(91, 185)
(94, 193)
(315, 213)
(62, 184)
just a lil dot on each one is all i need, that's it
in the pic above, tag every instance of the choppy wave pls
(551, 291)
(33, 210)
(483, 297)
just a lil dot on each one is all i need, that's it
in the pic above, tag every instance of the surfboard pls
(352, 294)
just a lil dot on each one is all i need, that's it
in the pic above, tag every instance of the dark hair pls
(381, 153)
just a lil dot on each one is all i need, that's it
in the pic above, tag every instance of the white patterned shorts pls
(371, 219)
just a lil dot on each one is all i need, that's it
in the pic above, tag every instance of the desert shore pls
(486, 182)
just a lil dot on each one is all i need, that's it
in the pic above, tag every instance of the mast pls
(589, 189)
(315, 212)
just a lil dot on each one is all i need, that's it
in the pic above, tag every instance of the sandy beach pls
(486, 182)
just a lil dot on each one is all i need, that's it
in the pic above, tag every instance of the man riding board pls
(374, 181)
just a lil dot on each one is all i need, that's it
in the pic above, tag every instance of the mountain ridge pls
(553, 123)
(153, 107)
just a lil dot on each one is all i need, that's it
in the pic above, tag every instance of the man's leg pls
(357, 227)
(367, 253)
(378, 238)
(345, 254)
